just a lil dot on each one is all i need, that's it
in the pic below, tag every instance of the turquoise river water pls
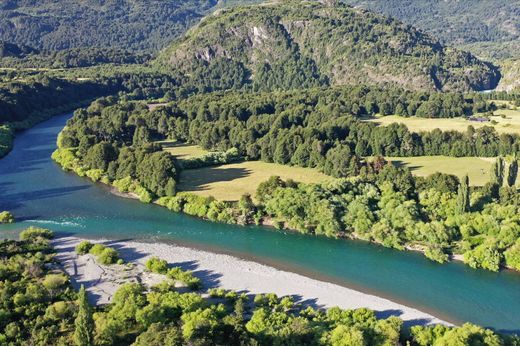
(39, 193)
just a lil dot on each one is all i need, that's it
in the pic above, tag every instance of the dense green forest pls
(489, 29)
(291, 45)
(39, 307)
(134, 25)
(21, 57)
(28, 97)
(116, 142)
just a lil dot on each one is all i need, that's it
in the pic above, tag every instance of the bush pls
(97, 249)
(185, 277)
(6, 217)
(83, 247)
(35, 233)
(157, 265)
(108, 256)
(54, 281)
(436, 254)
(105, 255)
(211, 159)
(123, 185)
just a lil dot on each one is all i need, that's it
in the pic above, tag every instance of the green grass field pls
(509, 124)
(478, 169)
(182, 150)
(230, 182)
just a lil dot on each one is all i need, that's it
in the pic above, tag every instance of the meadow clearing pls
(182, 150)
(230, 182)
(510, 123)
(478, 169)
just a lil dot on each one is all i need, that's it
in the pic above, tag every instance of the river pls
(39, 193)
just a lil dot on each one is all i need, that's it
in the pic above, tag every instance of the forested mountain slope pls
(489, 29)
(307, 43)
(127, 24)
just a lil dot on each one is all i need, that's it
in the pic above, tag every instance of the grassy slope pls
(229, 182)
(477, 168)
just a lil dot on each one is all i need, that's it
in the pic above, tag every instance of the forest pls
(24, 57)
(116, 143)
(287, 45)
(40, 307)
(488, 29)
(50, 25)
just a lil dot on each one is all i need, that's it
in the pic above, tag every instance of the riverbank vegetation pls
(6, 139)
(104, 254)
(40, 307)
(116, 143)
(6, 217)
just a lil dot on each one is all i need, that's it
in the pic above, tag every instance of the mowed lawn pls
(509, 124)
(230, 182)
(182, 150)
(477, 168)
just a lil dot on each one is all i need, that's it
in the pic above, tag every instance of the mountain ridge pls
(313, 43)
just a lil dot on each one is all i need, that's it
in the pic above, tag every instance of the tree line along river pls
(39, 193)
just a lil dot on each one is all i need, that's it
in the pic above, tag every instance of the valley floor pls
(218, 270)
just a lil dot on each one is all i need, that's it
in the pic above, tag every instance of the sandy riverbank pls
(218, 270)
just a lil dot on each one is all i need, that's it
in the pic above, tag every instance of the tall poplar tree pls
(463, 196)
(83, 334)
(513, 172)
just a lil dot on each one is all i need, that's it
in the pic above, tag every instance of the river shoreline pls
(266, 222)
(230, 272)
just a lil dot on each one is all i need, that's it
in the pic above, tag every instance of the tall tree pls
(83, 334)
(498, 172)
(512, 173)
(463, 196)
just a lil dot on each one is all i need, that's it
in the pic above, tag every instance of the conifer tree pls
(463, 196)
(498, 172)
(512, 173)
(83, 334)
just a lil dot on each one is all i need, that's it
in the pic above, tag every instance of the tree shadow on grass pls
(402, 164)
(198, 180)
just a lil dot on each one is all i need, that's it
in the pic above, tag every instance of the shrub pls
(94, 174)
(157, 265)
(123, 185)
(83, 247)
(97, 249)
(35, 233)
(53, 282)
(108, 256)
(436, 254)
(6, 217)
(217, 293)
(185, 277)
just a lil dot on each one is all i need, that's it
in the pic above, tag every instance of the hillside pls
(302, 44)
(510, 80)
(489, 29)
(125, 24)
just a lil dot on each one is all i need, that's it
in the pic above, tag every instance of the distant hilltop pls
(289, 44)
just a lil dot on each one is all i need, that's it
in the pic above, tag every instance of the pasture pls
(182, 150)
(508, 123)
(230, 182)
(477, 168)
